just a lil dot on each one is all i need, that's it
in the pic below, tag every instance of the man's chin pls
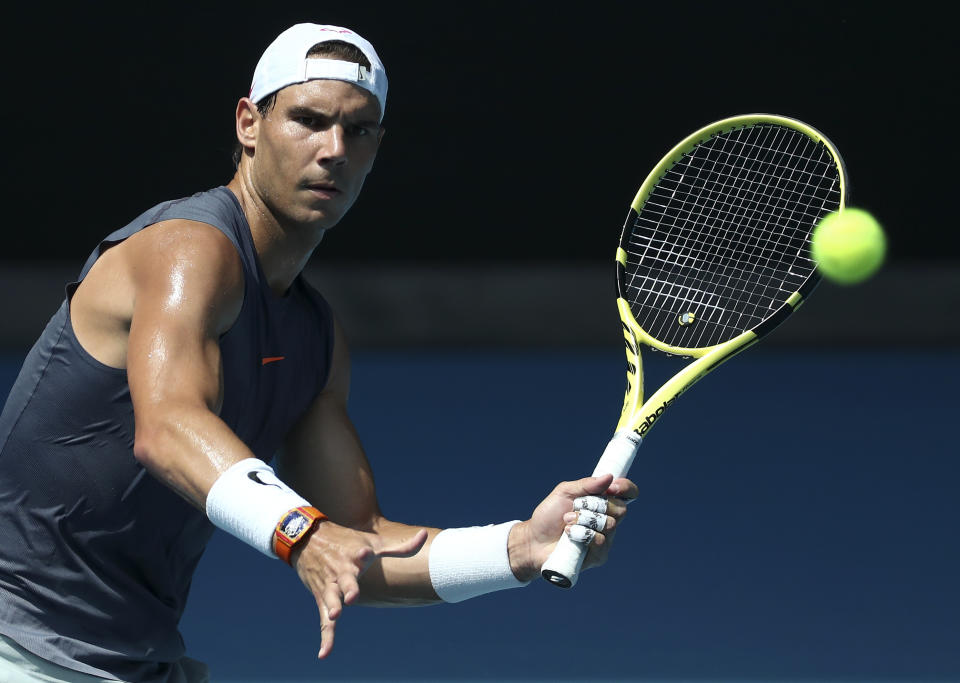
(327, 212)
(322, 219)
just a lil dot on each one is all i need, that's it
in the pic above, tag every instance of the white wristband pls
(471, 561)
(248, 501)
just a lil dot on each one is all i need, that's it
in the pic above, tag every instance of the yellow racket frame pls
(634, 415)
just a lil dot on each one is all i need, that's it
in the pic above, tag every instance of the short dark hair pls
(337, 49)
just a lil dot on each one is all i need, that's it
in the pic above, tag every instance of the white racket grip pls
(562, 568)
(619, 454)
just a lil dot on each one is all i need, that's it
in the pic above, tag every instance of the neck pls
(283, 250)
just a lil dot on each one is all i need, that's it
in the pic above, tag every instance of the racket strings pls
(723, 239)
(745, 185)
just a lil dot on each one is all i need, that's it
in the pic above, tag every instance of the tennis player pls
(188, 355)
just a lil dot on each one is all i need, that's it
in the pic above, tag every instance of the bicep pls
(188, 287)
(169, 360)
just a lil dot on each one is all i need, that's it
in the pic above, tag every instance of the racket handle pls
(562, 568)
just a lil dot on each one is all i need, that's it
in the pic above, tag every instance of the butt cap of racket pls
(562, 568)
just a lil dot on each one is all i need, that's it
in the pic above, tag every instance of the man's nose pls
(334, 147)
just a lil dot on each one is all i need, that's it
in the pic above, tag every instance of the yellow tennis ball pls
(849, 246)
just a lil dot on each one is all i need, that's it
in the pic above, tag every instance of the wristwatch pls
(295, 526)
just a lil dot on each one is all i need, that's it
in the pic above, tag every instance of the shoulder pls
(218, 206)
(189, 259)
(182, 242)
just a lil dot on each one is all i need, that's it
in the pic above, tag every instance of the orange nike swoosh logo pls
(271, 359)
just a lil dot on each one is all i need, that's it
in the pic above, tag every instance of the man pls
(187, 355)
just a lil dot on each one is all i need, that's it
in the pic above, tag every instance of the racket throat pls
(633, 395)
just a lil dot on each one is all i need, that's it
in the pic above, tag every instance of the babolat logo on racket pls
(648, 422)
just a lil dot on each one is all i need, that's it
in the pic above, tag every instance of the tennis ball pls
(849, 246)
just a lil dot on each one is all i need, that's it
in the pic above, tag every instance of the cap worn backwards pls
(285, 62)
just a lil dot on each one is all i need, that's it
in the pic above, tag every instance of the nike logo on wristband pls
(271, 359)
(255, 476)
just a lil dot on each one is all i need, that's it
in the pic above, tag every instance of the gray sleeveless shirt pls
(96, 556)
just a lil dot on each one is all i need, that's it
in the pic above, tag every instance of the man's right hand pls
(331, 562)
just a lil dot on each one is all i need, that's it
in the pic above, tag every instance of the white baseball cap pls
(285, 62)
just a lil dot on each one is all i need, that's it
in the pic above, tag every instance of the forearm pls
(187, 448)
(399, 582)
(453, 564)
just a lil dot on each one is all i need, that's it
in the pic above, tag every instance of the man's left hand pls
(531, 542)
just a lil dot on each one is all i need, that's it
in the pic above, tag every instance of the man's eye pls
(358, 131)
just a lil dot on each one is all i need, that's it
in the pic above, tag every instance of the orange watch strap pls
(295, 526)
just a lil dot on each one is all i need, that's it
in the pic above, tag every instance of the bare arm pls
(186, 286)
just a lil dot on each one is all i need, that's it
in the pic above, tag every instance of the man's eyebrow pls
(302, 110)
(305, 110)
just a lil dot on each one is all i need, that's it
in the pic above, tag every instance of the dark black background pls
(515, 130)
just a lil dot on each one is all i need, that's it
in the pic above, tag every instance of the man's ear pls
(248, 123)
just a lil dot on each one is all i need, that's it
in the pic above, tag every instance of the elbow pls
(146, 447)
(160, 450)
(154, 445)
(161, 433)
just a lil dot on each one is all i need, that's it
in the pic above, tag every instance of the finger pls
(349, 587)
(363, 558)
(406, 548)
(333, 600)
(617, 508)
(327, 626)
(591, 520)
(624, 489)
(592, 503)
(581, 534)
(588, 486)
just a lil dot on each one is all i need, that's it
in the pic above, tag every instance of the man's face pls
(314, 149)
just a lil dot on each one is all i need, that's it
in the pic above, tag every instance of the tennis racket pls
(714, 254)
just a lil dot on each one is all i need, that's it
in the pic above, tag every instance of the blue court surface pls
(798, 521)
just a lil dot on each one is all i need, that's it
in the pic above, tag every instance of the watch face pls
(295, 524)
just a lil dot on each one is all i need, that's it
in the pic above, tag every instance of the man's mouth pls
(324, 189)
